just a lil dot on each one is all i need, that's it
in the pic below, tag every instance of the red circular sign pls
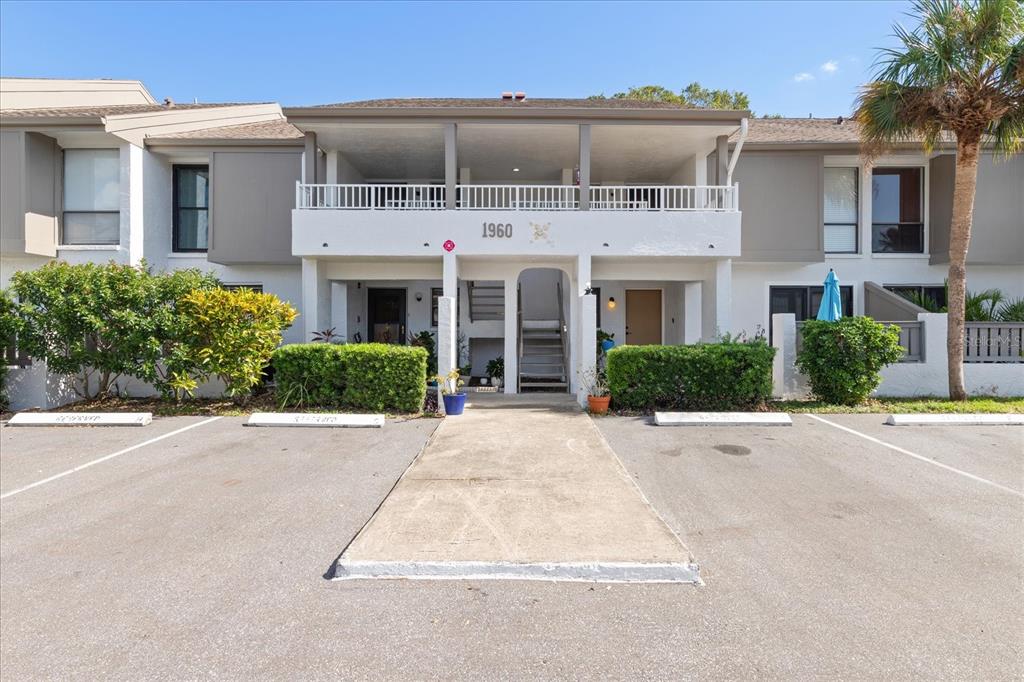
(449, 245)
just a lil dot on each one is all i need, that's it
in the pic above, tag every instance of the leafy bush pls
(230, 334)
(97, 323)
(843, 359)
(714, 376)
(366, 376)
(425, 339)
(308, 374)
(380, 376)
(9, 325)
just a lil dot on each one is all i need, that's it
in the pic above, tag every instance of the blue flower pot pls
(607, 345)
(454, 404)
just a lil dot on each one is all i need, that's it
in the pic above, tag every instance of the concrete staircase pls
(486, 300)
(542, 357)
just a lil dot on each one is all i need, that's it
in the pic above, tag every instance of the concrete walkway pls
(518, 487)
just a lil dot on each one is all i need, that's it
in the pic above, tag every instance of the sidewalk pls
(517, 487)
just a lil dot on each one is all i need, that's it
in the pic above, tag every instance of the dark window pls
(933, 296)
(803, 302)
(597, 294)
(435, 293)
(258, 288)
(191, 207)
(897, 225)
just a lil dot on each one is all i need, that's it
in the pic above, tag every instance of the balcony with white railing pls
(425, 197)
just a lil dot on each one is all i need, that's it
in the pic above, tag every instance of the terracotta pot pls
(598, 405)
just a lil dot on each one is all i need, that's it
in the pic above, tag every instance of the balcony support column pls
(722, 159)
(339, 309)
(691, 312)
(583, 329)
(716, 300)
(309, 159)
(584, 167)
(451, 164)
(316, 300)
(511, 357)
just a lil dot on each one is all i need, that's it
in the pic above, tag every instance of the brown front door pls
(643, 317)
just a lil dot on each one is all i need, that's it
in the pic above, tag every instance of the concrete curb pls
(316, 420)
(599, 572)
(722, 419)
(955, 420)
(81, 419)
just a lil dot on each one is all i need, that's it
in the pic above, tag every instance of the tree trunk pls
(959, 240)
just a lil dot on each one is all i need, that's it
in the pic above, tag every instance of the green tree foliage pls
(843, 359)
(227, 334)
(10, 323)
(97, 323)
(693, 96)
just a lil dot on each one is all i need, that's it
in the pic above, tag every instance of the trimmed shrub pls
(366, 376)
(713, 376)
(9, 325)
(381, 376)
(843, 359)
(308, 374)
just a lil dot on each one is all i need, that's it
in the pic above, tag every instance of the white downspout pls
(736, 152)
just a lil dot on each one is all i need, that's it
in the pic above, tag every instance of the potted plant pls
(598, 396)
(451, 392)
(605, 341)
(496, 370)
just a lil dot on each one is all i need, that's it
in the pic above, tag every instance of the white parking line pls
(105, 458)
(903, 451)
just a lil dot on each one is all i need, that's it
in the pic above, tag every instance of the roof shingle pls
(112, 110)
(279, 129)
(497, 102)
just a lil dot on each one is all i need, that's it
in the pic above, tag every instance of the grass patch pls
(905, 406)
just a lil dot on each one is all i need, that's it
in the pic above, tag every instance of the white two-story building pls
(509, 226)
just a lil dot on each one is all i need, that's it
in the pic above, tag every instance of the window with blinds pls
(840, 210)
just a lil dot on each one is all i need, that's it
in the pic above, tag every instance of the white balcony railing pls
(367, 197)
(519, 197)
(664, 198)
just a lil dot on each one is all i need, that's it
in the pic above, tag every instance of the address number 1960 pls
(497, 230)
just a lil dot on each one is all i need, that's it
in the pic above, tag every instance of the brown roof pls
(496, 102)
(279, 129)
(801, 131)
(111, 110)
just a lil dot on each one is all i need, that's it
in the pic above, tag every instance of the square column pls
(716, 300)
(132, 235)
(583, 330)
(339, 309)
(510, 384)
(584, 167)
(447, 322)
(691, 312)
(316, 301)
(451, 164)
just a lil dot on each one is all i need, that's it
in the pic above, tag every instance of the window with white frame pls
(840, 210)
(897, 210)
(92, 188)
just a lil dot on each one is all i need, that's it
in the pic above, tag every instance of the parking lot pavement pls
(824, 557)
(822, 545)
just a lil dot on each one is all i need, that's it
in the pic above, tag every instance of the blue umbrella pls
(831, 308)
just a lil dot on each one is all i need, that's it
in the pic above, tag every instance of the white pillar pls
(511, 381)
(131, 202)
(451, 163)
(582, 331)
(332, 167)
(716, 300)
(447, 322)
(691, 312)
(588, 345)
(784, 376)
(700, 175)
(316, 301)
(585, 167)
(339, 309)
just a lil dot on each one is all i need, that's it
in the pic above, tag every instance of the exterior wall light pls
(611, 303)
(515, 170)
(419, 296)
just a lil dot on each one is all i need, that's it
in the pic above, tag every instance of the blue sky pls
(793, 58)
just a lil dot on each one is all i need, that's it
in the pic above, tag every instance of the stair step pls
(542, 384)
(529, 325)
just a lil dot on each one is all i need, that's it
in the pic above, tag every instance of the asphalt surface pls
(203, 555)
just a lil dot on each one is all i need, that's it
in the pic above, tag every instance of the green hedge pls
(714, 376)
(843, 360)
(366, 376)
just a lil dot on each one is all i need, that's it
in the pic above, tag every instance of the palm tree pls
(960, 72)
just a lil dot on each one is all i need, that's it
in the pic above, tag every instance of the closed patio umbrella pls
(831, 308)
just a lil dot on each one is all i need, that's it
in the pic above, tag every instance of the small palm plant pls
(961, 71)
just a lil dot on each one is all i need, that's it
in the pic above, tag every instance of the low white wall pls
(929, 377)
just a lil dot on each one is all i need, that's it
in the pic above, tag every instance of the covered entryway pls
(385, 315)
(643, 317)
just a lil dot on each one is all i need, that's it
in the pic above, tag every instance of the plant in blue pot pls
(605, 341)
(452, 394)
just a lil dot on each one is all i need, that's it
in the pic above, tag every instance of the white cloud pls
(803, 76)
(830, 67)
